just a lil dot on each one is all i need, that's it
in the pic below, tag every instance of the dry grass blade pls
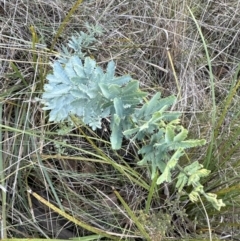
(74, 220)
(66, 169)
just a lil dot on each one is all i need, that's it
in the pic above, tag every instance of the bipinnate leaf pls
(196, 176)
(154, 105)
(86, 91)
(191, 175)
(76, 43)
(130, 132)
(111, 70)
(118, 106)
(164, 177)
(122, 80)
(80, 75)
(169, 134)
(89, 66)
(192, 168)
(171, 164)
(105, 91)
(193, 196)
(212, 198)
(59, 74)
(182, 179)
(148, 154)
(195, 193)
(182, 135)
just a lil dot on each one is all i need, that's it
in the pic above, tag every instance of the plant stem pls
(151, 192)
(2, 182)
(212, 85)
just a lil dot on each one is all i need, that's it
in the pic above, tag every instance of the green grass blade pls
(151, 192)
(2, 182)
(212, 85)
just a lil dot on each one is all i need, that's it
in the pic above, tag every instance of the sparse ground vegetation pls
(105, 192)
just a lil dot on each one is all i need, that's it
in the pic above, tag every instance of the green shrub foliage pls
(79, 87)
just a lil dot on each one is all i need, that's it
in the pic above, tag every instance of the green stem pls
(212, 85)
(151, 192)
(2, 181)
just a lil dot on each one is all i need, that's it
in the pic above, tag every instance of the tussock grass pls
(77, 174)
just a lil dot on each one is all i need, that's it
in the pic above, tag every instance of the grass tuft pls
(194, 55)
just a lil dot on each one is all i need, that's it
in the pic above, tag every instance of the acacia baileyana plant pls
(79, 87)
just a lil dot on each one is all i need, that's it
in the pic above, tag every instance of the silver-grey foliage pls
(79, 87)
